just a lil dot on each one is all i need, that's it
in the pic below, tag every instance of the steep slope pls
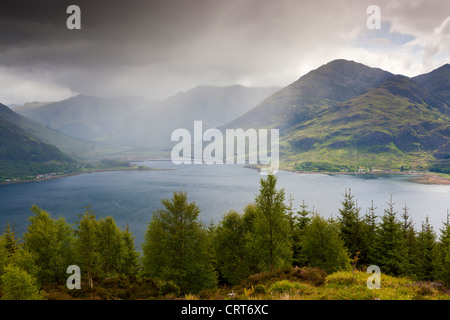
(437, 81)
(66, 144)
(87, 118)
(332, 83)
(398, 123)
(23, 155)
(215, 106)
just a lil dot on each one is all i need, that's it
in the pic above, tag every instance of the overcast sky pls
(155, 49)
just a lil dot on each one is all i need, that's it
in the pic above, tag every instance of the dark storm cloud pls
(156, 48)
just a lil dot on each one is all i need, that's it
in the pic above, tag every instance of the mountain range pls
(343, 115)
(23, 154)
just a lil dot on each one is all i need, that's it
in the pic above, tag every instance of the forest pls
(270, 248)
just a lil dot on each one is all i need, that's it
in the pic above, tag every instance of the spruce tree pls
(410, 242)
(390, 242)
(442, 254)
(426, 242)
(370, 231)
(302, 220)
(323, 247)
(351, 227)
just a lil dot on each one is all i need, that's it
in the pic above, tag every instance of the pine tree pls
(390, 242)
(301, 221)
(323, 247)
(410, 242)
(442, 254)
(426, 242)
(175, 246)
(370, 231)
(11, 243)
(271, 227)
(351, 227)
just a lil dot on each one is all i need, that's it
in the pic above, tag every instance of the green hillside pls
(23, 156)
(66, 144)
(335, 82)
(397, 124)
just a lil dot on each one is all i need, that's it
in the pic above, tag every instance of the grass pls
(284, 284)
(342, 285)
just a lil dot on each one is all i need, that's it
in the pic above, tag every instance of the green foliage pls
(321, 166)
(87, 245)
(351, 228)
(51, 242)
(110, 246)
(231, 246)
(175, 246)
(426, 241)
(323, 247)
(285, 286)
(390, 242)
(271, 228)
(17, 284)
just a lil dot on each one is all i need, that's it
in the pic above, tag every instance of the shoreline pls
(78, 173)
(416, 177)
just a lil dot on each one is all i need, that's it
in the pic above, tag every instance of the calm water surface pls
(131, 196)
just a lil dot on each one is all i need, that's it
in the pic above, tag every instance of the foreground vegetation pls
(270, 251)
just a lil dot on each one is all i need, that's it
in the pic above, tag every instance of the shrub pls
(168, 287)
(315, 276)
(260, 289)
(285, 286)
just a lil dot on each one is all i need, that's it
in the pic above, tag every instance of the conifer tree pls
(323, 247)
(302, 220)
(10, 241)
(442, 254)
(351, 227)
(390, 242)
(370, 231)
(426, 242)
(410, 242)
(271, 227)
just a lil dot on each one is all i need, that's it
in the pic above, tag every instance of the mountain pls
(437, 81)
(85, 117)
(215, 106)
(21, 109)
(399, 123)
(73, 147)
(318, 90)
(23, 155)
(136, 123)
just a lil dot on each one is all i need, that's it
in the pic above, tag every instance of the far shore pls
(417, 177)
(83, 172)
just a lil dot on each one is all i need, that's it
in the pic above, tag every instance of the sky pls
(154, 49)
